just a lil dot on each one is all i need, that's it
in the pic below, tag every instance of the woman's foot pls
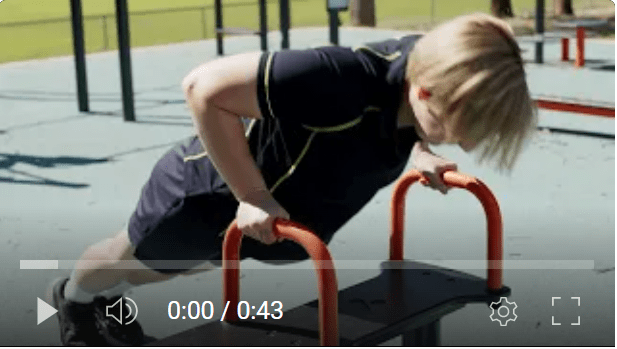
(87, 324)
(77, 320)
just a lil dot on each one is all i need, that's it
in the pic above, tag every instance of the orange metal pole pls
(565, 49)
(491, 209)
(580, 47)
(324, 267)
(574, 107)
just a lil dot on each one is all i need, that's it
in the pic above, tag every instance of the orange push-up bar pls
(324, 267)
(491, 209)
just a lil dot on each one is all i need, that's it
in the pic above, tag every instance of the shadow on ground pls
(7, 161)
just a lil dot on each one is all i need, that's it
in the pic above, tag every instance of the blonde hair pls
(473, 66)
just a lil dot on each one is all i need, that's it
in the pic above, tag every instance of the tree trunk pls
(501, 8)
(563, 7)
(362, 13)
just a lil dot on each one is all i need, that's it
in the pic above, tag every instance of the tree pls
(563, 7)
(362, 13)
(501, 8)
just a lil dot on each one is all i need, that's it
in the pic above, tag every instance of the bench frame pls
(327, 283)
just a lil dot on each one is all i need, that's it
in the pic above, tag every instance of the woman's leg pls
(110, 262)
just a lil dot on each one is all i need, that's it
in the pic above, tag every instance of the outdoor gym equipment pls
(262, 32)
(124, 48)
(408, 298)
(579, 26)
(332, 6)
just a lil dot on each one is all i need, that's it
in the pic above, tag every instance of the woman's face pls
(431, 123)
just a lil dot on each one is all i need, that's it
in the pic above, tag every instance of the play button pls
(43, 311)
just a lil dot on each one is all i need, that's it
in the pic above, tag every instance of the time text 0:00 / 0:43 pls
(195, 310)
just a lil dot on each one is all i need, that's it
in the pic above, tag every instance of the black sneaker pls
(77, 322)
(115, 333)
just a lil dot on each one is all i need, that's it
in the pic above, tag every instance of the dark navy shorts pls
(184, 209)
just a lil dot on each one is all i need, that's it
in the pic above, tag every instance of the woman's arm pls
(219, 93)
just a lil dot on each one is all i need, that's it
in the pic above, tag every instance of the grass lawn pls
(44, 39)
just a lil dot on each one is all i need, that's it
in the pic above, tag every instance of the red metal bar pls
(324, 267)
(565, 49)
(580, 47)
(491, 209)
(575, 107)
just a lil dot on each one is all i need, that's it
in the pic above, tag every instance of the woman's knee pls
(136, 272)
(119, 254)
(115, 258)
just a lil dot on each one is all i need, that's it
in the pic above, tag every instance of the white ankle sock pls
(74, 293)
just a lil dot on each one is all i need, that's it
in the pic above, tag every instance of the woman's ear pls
(423, 94)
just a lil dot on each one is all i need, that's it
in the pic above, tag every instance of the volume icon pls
(117, 309)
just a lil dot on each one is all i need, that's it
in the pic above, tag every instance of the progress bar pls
(38, 264)
(519, 264)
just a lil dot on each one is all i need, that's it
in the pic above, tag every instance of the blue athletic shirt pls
(328, 140)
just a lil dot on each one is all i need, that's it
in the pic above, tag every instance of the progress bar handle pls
(491, 209)
(324, 268)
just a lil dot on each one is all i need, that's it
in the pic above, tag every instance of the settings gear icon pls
(505, 311)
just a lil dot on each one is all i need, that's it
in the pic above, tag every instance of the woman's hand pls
(432, 166)
(256, 214)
